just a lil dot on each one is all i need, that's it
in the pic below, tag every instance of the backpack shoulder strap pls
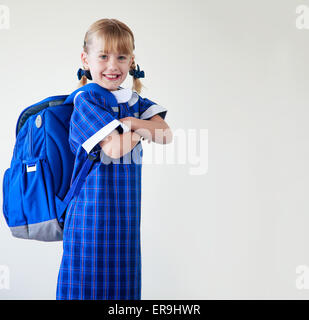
(78, 182)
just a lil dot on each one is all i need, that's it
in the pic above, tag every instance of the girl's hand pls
(129, 121)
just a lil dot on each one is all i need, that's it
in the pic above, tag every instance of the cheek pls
(99, 66)
(125, 69)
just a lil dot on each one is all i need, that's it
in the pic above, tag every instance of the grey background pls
(237, 68)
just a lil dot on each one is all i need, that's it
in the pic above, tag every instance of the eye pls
(104, 56)
(122, 57)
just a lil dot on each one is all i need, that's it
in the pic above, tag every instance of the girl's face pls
(108, 70)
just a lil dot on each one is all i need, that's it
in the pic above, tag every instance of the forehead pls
(113, 46)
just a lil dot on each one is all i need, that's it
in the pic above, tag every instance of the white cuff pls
(151, 111)
(102, 133)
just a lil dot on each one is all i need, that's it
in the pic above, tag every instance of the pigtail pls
(137, 83)
(83, 81)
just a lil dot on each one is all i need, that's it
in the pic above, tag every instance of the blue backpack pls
(37, 187)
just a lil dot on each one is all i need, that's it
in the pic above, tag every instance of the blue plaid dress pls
(101, 237)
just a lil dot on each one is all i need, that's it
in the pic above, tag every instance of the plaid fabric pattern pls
(101, 239)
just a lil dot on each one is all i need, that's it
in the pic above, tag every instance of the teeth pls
(111, 76)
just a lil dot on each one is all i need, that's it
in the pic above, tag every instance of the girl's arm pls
(116, 145)
(155, 129)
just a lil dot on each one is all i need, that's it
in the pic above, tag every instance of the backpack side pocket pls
(12, 197)
(5, 190)
(39, 202)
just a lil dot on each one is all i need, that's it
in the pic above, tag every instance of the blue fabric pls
(101, 238)
(82, 72)
(137, 73)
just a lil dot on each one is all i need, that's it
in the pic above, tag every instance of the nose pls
(112, 63)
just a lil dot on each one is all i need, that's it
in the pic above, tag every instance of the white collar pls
(123, 94)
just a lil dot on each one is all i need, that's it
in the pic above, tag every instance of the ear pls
(84, 59)
(132, 58)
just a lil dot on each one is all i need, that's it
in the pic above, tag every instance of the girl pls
(101, 236)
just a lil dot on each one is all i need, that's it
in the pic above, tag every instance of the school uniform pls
(101, 236)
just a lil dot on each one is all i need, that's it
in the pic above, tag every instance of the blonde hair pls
(118, 37)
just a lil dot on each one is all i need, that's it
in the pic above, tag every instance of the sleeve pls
(148, 109)
(91, 121)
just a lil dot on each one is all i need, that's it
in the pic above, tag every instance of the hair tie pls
(82, 72)
(136, 73)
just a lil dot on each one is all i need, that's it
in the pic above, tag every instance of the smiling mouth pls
(112, 77)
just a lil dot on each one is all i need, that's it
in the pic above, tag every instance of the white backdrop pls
(236, 69)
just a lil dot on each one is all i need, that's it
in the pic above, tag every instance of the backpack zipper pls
(30, 141)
